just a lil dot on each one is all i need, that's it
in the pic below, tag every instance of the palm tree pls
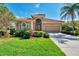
(70, 11)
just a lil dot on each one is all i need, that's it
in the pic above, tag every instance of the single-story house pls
(39, 22)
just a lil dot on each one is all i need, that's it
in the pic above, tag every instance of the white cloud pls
(37, 5)
(18, 17)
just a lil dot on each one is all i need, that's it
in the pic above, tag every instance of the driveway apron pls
(67, 43)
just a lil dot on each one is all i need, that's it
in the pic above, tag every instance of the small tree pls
(5, 17)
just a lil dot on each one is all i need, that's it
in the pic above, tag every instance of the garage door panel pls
(52, 28)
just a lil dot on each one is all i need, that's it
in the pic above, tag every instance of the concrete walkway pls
(67, 43)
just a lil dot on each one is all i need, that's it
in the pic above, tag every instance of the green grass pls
(29, 47)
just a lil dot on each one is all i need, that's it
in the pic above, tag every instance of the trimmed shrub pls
(66, 32)
(75, 32)
(72, 32)
(22, 32)
(37, 34)
(16, 34)
(69, 30)
(46, 35)
(26, 35)
(12, 31)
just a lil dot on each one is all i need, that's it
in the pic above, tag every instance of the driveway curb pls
(58, 45)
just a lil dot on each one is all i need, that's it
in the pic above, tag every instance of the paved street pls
(67, 43)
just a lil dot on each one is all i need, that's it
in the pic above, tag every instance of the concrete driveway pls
(67, 43)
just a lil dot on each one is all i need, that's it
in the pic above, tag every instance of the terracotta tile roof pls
(24, 19)
(53, 20)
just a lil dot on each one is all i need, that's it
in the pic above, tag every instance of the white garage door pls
(52, 28)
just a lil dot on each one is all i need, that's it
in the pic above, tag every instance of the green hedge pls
(72, 32)
(26, 35)
(16, 34)
(46, 35)
(22, 34)
(12, 31)
(69, 30)
(37, 34)
(41, 34)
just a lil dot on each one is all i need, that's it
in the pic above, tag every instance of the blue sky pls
(52, 10)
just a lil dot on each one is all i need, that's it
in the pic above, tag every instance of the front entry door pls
(38, 25)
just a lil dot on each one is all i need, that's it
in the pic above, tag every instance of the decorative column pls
(32, 25)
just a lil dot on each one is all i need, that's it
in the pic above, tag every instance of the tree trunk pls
(6, 34)
(73, 23)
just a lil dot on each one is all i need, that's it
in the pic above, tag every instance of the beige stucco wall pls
(50, 26)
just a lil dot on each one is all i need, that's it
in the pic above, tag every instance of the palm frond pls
(65, 8)
(63, 12)
(64, 16)
(1, 4)
(75, 6)
(77, 12)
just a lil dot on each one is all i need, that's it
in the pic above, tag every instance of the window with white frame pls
(25, 25)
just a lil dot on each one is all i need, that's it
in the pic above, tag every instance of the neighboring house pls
(39, 22)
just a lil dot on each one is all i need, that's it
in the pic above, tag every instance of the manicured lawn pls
(29, 47)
